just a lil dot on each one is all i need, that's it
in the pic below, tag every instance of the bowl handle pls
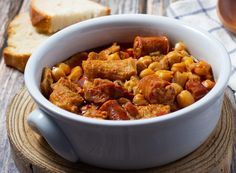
(42, 124)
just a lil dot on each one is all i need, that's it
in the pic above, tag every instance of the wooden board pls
(32, 154)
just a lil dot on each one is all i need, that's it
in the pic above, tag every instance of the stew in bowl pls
(125, 82)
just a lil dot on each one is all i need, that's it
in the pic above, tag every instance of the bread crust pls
(17, 61)
(13, 55)
(108, 11)
(12, 59)
(41, 21)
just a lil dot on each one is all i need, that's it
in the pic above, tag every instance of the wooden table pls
(11, 80)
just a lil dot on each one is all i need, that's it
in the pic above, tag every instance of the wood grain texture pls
(11, 80)
(32, 154)
(231, 96)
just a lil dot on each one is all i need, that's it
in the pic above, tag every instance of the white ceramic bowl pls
(130, 144)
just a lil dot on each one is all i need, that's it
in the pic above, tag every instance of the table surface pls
(11, 80)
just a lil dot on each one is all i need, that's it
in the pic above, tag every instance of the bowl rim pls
(62, 114)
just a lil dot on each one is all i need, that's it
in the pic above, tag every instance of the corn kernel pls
(185, 98)
(193, 77)
(165, 74)
(65, 68)
(75, 74)
(178, 67)
(173, 57)
(180, 78)
(155, 66)
(130, 84)
(180, 46)
(57, 73)
(189, 63)
(146, 72)
(139, 100)
(178, 88)
(202, 68)
(164, 63)
(143, 62)
(114, 56)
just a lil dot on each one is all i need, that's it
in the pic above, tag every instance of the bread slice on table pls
(49, 16)
(23, 39)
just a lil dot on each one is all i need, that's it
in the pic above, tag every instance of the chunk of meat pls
(196, 89)
(114, 110)
(156, 90)
(101, 90)
(66, 95)
(153, 110)
(110, 69)
(46, 82)
(92, 112)
(129, 107)
(145, 45)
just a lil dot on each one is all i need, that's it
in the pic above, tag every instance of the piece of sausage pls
(131, 109)
(156, 90)
(145, 45)
(196, 89)
(114, 110)
(101, 90)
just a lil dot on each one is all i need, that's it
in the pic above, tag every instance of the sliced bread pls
(23, 39)
(49, 16)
